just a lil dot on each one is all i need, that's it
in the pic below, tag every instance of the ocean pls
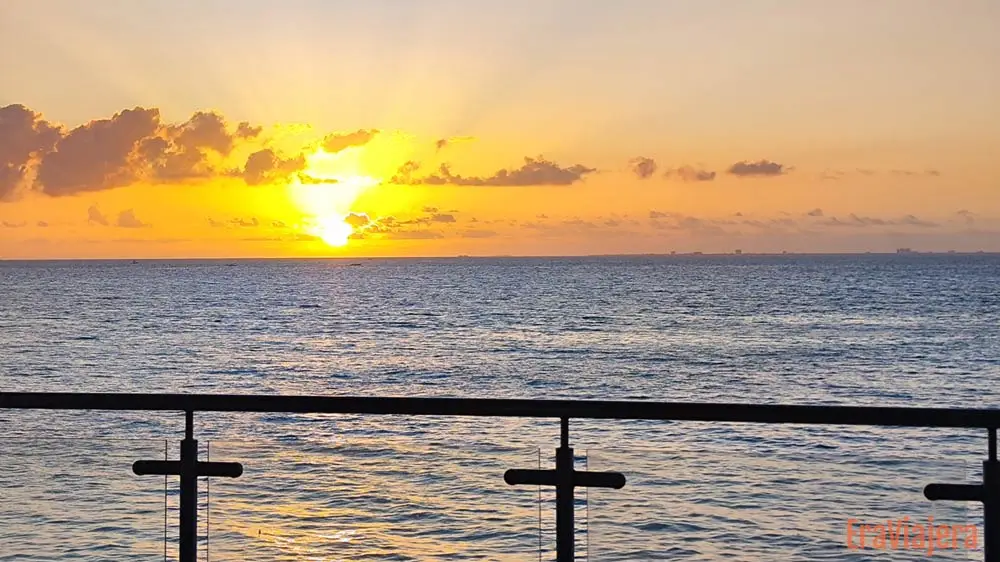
(904, 330)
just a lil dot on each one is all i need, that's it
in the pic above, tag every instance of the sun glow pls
(333, 231)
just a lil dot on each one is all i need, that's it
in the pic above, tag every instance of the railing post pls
(987, 493)
(565, 526)
(565, 479)
(991, 501)
(189, 492)
(189, 468)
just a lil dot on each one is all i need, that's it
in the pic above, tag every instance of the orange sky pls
(363, 131)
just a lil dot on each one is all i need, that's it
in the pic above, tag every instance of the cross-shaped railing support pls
(189, 468)
(565, 478)
(988, 493)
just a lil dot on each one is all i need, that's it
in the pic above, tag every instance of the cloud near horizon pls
(534, 172)
(760, 168)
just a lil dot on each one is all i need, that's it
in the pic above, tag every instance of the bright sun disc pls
(333, 231)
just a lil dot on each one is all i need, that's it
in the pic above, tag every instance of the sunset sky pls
(436, 128)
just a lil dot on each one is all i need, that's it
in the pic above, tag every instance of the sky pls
(334, 128)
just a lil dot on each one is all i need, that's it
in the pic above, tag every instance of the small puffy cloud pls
(643, 167)
(357, 220)
(306, 179)
(968, 217)
(252, 222)
(246, 131)
(760, 168)
(95, 216)
(441, 144)
(690, 174)
(910, 220)
(128, 219)
(8, 224)
(42, 224)
(278, 224)
(414, 235)
(815, 213)
(476, 233)
(430, 209)
(339, 141)
(534, 172)
(914, 173)
(266, 166)
(442, 217)
(204, 130)
(658, 215)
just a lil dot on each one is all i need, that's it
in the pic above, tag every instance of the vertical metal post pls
(991, 501)
(565, 528)
(189, 492)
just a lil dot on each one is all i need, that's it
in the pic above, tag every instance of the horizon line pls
(908, 253)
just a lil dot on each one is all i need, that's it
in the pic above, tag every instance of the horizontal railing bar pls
(488, 407)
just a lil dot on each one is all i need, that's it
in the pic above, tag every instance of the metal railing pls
(564, 478)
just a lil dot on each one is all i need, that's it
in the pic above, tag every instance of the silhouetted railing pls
(564, 477)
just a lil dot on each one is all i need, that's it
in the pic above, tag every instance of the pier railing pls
(563, 478)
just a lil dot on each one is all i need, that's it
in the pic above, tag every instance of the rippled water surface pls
(890, 330)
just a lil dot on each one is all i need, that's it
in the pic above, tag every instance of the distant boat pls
(135, 262)
(353, 264)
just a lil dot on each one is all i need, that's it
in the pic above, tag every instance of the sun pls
(333, 231)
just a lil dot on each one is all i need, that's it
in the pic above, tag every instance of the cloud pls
(131, 146)
(968, 217)
(306, 179)
(815, 213)
(95, 216)
(430, 209)
(97, 155)
(42, 224)
(7, 224)
(204, 130)
(658, 215)
(442, 217)
(252, 222)
(690, 173)
(910, 220)
(474, 233)
(758, 169)
(861, 221)
(912, 173)
(246, 131)
(127, 219)
(441, 144)
(643, 167)
(266, 166)
(278, 224)
(339, 141)
(414, 235)
(23, 136)
(357, 220)
(534, 172)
